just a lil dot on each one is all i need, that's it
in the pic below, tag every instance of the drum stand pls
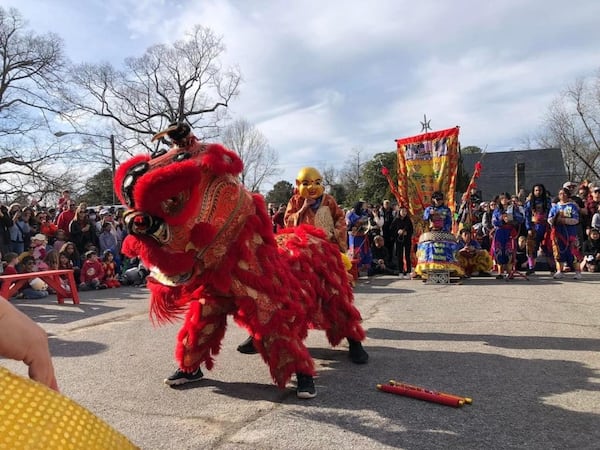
(438, 277)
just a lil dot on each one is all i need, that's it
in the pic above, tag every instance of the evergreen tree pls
(98, 189)
(375, 186)
(338, 191)
(281, 193)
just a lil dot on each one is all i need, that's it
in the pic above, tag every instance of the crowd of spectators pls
(72, 235)
(508, 231)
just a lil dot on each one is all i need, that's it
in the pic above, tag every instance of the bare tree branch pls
(31, 71)
(183, 82)
(260, 161)
(572, 123)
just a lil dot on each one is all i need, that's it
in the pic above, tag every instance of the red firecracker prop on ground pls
(409, 390)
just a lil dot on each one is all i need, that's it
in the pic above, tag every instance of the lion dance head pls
(186, 207)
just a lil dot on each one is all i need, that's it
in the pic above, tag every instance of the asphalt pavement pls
(526, 352)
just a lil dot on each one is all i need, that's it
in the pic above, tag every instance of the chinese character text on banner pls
(427, 163)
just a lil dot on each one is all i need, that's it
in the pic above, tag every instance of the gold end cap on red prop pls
(467, 400)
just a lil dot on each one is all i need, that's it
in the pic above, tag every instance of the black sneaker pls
(247, 347)
(529, 272)
(181, 377)
(306, 386)
(357, 353)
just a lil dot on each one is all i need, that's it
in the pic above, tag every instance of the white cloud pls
(323, 78)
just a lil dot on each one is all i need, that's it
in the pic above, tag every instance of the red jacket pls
(92, 270)
(64, 219)
(10, 270)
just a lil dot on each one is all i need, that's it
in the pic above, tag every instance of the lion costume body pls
(211, 251)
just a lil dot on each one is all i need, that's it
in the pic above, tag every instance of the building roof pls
(501, 170)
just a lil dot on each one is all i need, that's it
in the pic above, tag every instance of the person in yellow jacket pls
(40, 417)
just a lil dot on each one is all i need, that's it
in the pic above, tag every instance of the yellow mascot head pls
(309, 183)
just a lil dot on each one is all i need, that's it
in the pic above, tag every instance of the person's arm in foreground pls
(24, 340)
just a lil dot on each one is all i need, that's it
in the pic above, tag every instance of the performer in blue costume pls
(357, 221)
(438, 215)
(564, 220)
(507, 219)
(436, 250)
(537, 207)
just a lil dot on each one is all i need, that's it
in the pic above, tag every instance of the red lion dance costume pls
(211, 251)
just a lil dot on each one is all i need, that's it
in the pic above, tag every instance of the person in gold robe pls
(311, 205)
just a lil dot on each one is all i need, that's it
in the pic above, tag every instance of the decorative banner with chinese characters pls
(427, 163)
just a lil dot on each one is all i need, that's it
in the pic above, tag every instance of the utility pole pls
(113, 167)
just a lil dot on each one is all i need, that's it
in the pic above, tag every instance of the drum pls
(436, 251)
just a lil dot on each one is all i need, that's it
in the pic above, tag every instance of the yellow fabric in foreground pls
(346, 261)
(35, 417)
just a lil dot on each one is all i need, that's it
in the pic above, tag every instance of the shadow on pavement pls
(512, 406)
(61, 314)
(70, 349)
(517, 402)
(517, 342)
(92, 303)
(245, 391)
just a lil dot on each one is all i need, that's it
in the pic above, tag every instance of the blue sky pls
(325, 78)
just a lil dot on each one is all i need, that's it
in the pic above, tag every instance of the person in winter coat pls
(402, 228)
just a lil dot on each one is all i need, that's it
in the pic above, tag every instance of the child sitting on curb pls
(110, 270)
(35, 288)
(92, 272)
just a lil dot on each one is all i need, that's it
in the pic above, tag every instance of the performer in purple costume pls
(564, 220)
(507, 219)
(537, 207)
